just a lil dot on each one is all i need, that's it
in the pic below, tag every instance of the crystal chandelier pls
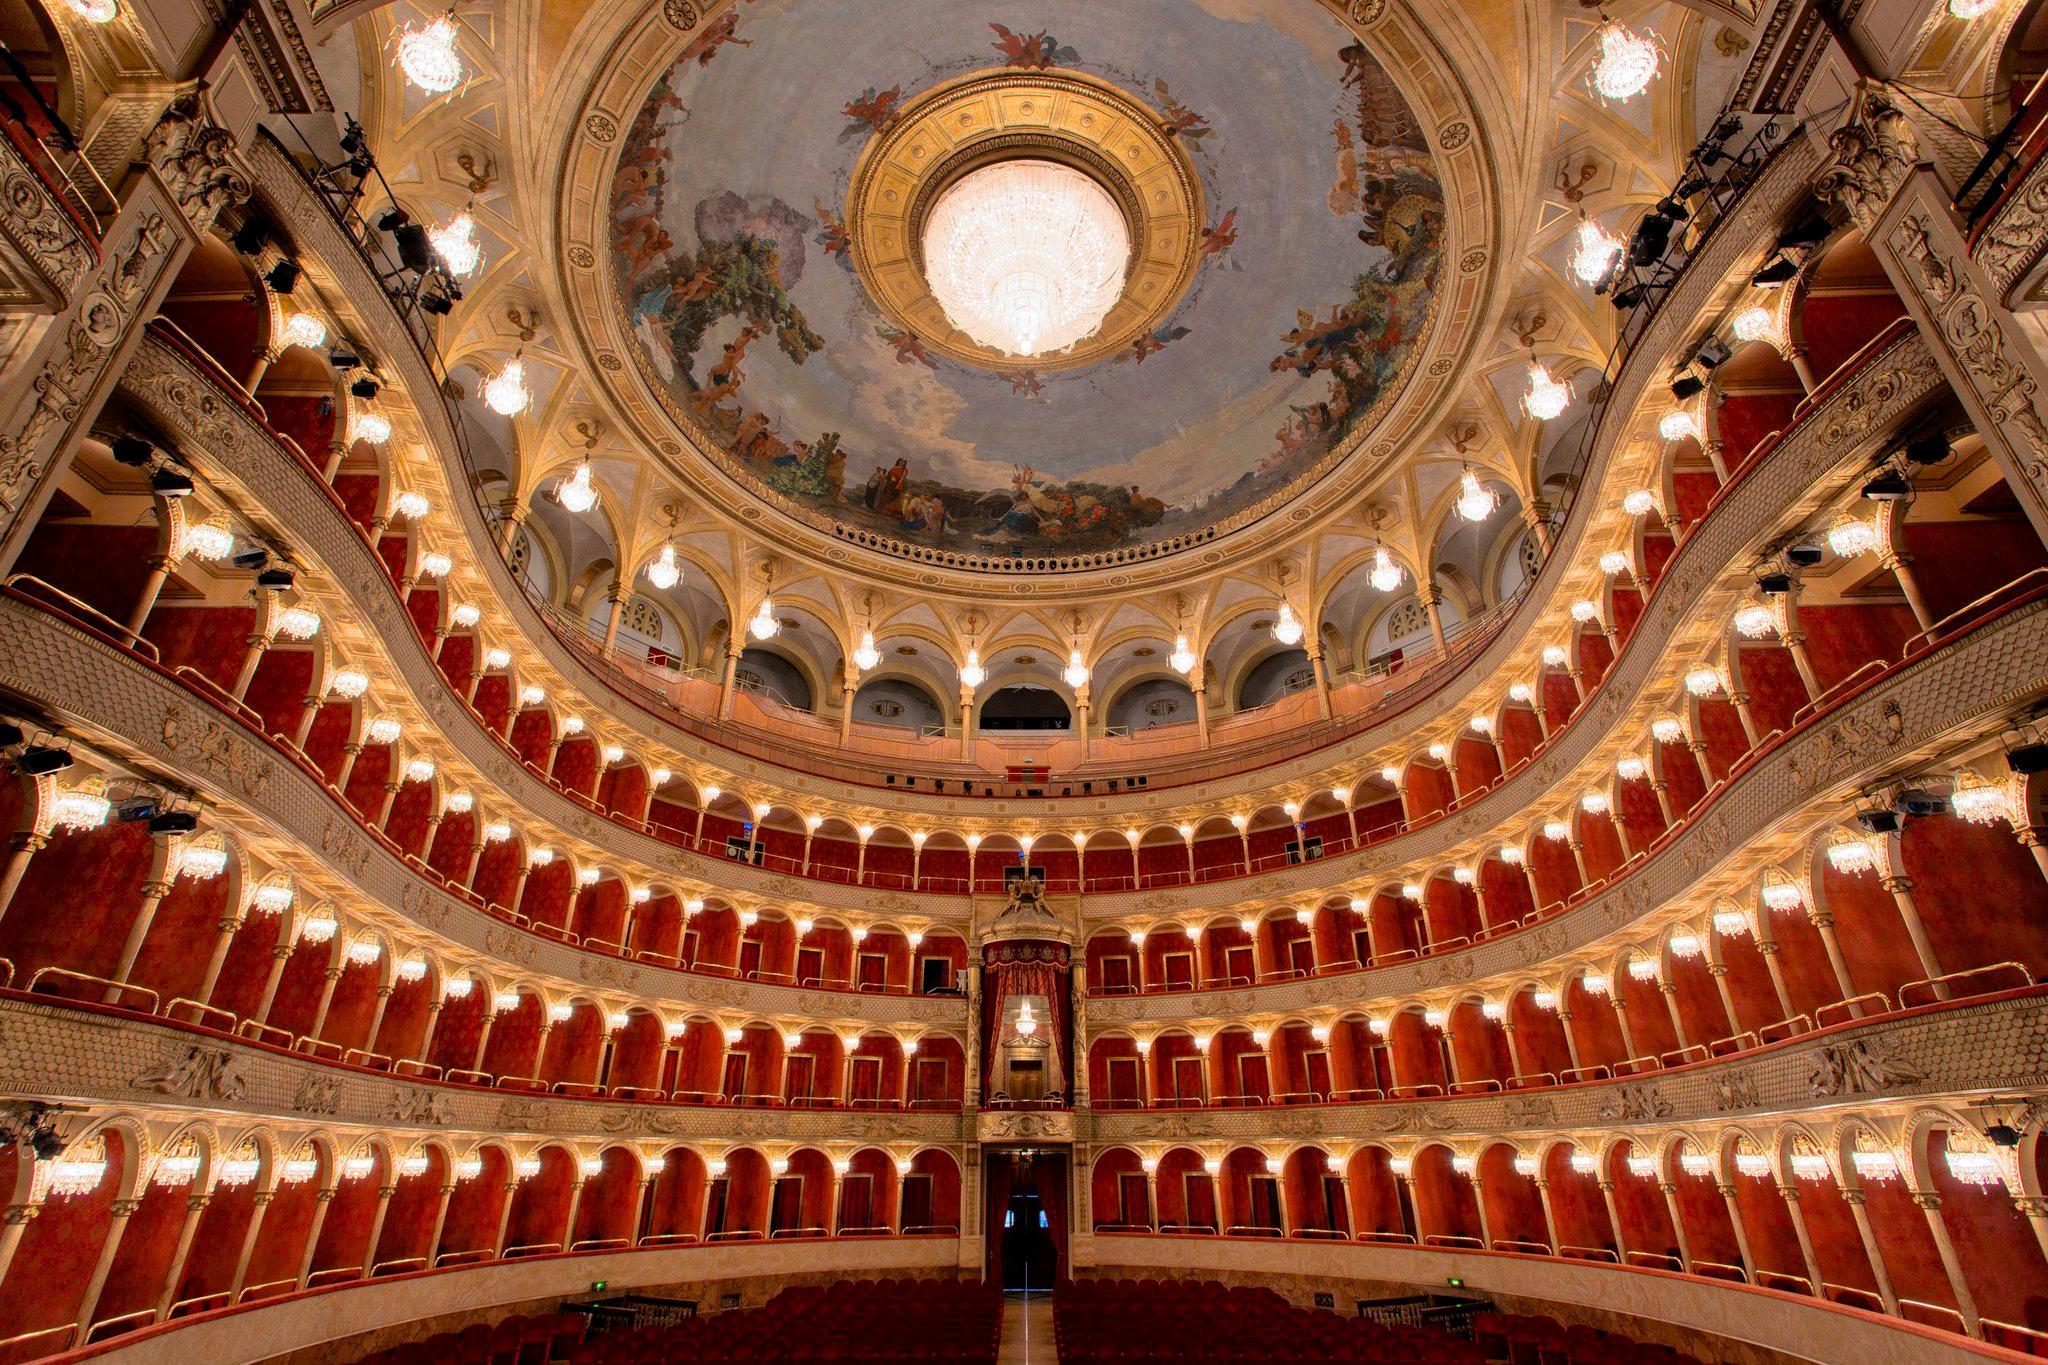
(1781, 894)
(1685, 947)
(434, 564)
(1851, 536)
(208, 542)
(81, 808)
(469, 1168)
(1546, 397)
(273, 898)
(1754, 324)
(456, 244)
(1627, 63)
(1753, 1164)
(1026, 256)
(1639, 503)
(1695, 1164)
(298, 623)
(506, 392)
(1183, 658)
(1731, 923)
(303, 329)
(1978, 801)
(1677, 425)
(867, 656)
(1076, 671)
(1754, 620)
(1874, 1167)
(1703, 682)
(972, 674)
(79, 1174)
(663, 572)
(1810, 1166)
(202, 862)
(95, 11)
(428, 57)
(411, 505)
(576, 492)
(1667, 729)
(1971, 1165)
(371, 426)
(1286, 629)
(1027, 1022)
(764, 626)
(1595, 252)
(1475, 500)
(1849, 855)
(1386, 574)
(1961, 9)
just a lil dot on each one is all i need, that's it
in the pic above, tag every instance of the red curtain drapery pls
(1019, 969)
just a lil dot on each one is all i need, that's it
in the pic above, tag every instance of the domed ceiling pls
(1271, 328)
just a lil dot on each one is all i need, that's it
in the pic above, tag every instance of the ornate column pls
(384, 1193)
(1769, 948)
(617, 595)
(1791, 1197)
(1549, 1216)
(261, 1201)
(733, 649)
(1824, 922)
(1430, 600)
(1670, 1193)
(59, 387)
(1719, 971)
(1906, 217)
(153, 893)
(333, 977)
(118, 1214)
(1614, 1221)
(20, 849)
(322, 1202)
(1669, 990)
(1930, 1204)
(1741, 1233)
(195, 1205)
(1901, 887)
(1871, 1251)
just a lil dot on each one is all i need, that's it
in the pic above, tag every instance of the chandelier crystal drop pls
(867, 656)
(76, 1175)
(1595, 252)
(1678, 425)
(972, 674)
(298, 623)
(456, 244)
(1850, 855)
(1182, 659)
(1386, 574)
(202, 862)
(1026, 256)
(664, 573)
(576, 492)
(1874, 1167)
(434, 564)
(1852, 536)
(1546, 397)
(1971, 1166)
(1627, 63)
(209, 542)
(1782, 895)
(1476, 502)
(764, 626)
(1731, 923)
(427, 55)
(81, 808)
(1639, 503)
(505, 392)
(411, 505)
(1286, 628)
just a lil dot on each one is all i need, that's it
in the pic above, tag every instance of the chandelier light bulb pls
(867, 656)
(1076, 671)
(1386, 574)
(1627, 63)
(1754, 324)
(972, 674)
(1286, 629)
(1678, 425)
(1026, 256)
(1545, 397)
(1475, 500)
(764, 626)
(1595, 252)
(663, 573)
(576, 492)
(456, 244)
(427, 55)
(505, 393)
(303, 329)
(1852, 536)
(1961, 9)
(95, 12)
(1182, 659)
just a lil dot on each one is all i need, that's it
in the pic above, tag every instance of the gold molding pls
(1053, 115)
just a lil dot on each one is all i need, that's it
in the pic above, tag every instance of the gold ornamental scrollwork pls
(1052, 115)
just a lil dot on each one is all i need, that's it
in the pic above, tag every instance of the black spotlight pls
(1777, 270)
(174, 822)
(282, 277)
(2003, 1135)
(415, 252)
(1625, 299)
(1805, 556)
(1809, 231)
(275, 579)
(10, 734)
(1932, 448)
(1877, 821)
(1673, 205)
(1651, 239)
(1713, 352)
(1774, 584)
(40, 760)
(1686, 385)
(254, 557)
(352, 140)
(1890, 486)
(363, 387)
(133, 450)
(2028, 759)
(391, 220)
(438, 304)
(251, 237)
(171, 483)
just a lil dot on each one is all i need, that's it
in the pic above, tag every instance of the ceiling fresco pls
(1318, 269)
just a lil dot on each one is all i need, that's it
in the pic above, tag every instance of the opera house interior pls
(535, 825)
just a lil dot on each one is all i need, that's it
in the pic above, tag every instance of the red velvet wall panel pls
(1834, 327)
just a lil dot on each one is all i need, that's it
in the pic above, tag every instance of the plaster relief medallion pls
(601, 128)
(680, 14)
